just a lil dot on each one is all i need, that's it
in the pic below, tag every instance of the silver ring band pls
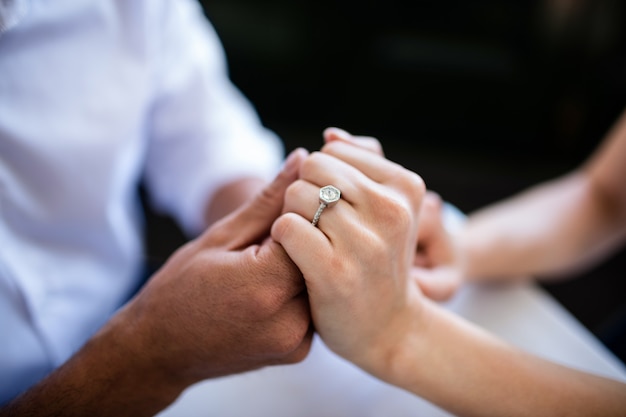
(318, 213)
(329, 195)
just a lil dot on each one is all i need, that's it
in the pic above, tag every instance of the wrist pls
(141, 372)
(402, 362)
(394, 357)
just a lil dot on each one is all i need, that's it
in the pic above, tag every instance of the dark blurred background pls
(482, 99)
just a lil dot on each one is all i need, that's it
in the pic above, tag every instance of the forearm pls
(552, 228)
(108, 376)
(556, 226)
(465, 370)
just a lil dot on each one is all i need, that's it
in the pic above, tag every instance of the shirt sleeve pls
(202, 131)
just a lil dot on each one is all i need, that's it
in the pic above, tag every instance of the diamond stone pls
(329, 194)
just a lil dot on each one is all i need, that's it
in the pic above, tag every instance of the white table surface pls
(325, 385)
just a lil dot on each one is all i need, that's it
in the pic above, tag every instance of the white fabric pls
(94, 96)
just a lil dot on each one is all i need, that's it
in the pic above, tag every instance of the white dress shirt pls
(96, 96)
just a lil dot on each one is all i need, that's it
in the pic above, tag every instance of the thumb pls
(253, 220)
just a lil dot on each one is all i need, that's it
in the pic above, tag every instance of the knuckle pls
(299, 354)
(332, 147)
(263, 301)
(258, 307)
(395, 216)
(402, 217)
(416, 183)
(393, 208)
(287, 344)
(291, 338)
(294, 190)
(267, 301)
(373, 144)
(311, 163)
(282, 228)
(414, 188)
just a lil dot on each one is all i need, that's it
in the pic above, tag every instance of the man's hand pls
(229, 301)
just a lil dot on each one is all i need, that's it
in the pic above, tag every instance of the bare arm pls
(469, 372)
(557, 226)
(366, 307)
(111, 375)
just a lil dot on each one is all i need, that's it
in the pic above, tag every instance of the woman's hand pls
(230, 300)
(438, 265)
(357, 263)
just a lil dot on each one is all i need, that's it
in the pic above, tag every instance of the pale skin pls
(548, 231)
(229, 301)
(359, 268)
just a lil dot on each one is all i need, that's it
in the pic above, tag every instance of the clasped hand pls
(250, 290)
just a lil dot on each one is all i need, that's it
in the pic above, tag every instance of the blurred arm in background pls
(556, 227)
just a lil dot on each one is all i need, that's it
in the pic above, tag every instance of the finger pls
(253, 220)
(366, 142)
(291, 319)
(372, 202)
(322, 169)
(303, 349)
(270, 262)
(374, 166)
(302, 198)
(438, 284)
(435, 243)
(306, 245)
